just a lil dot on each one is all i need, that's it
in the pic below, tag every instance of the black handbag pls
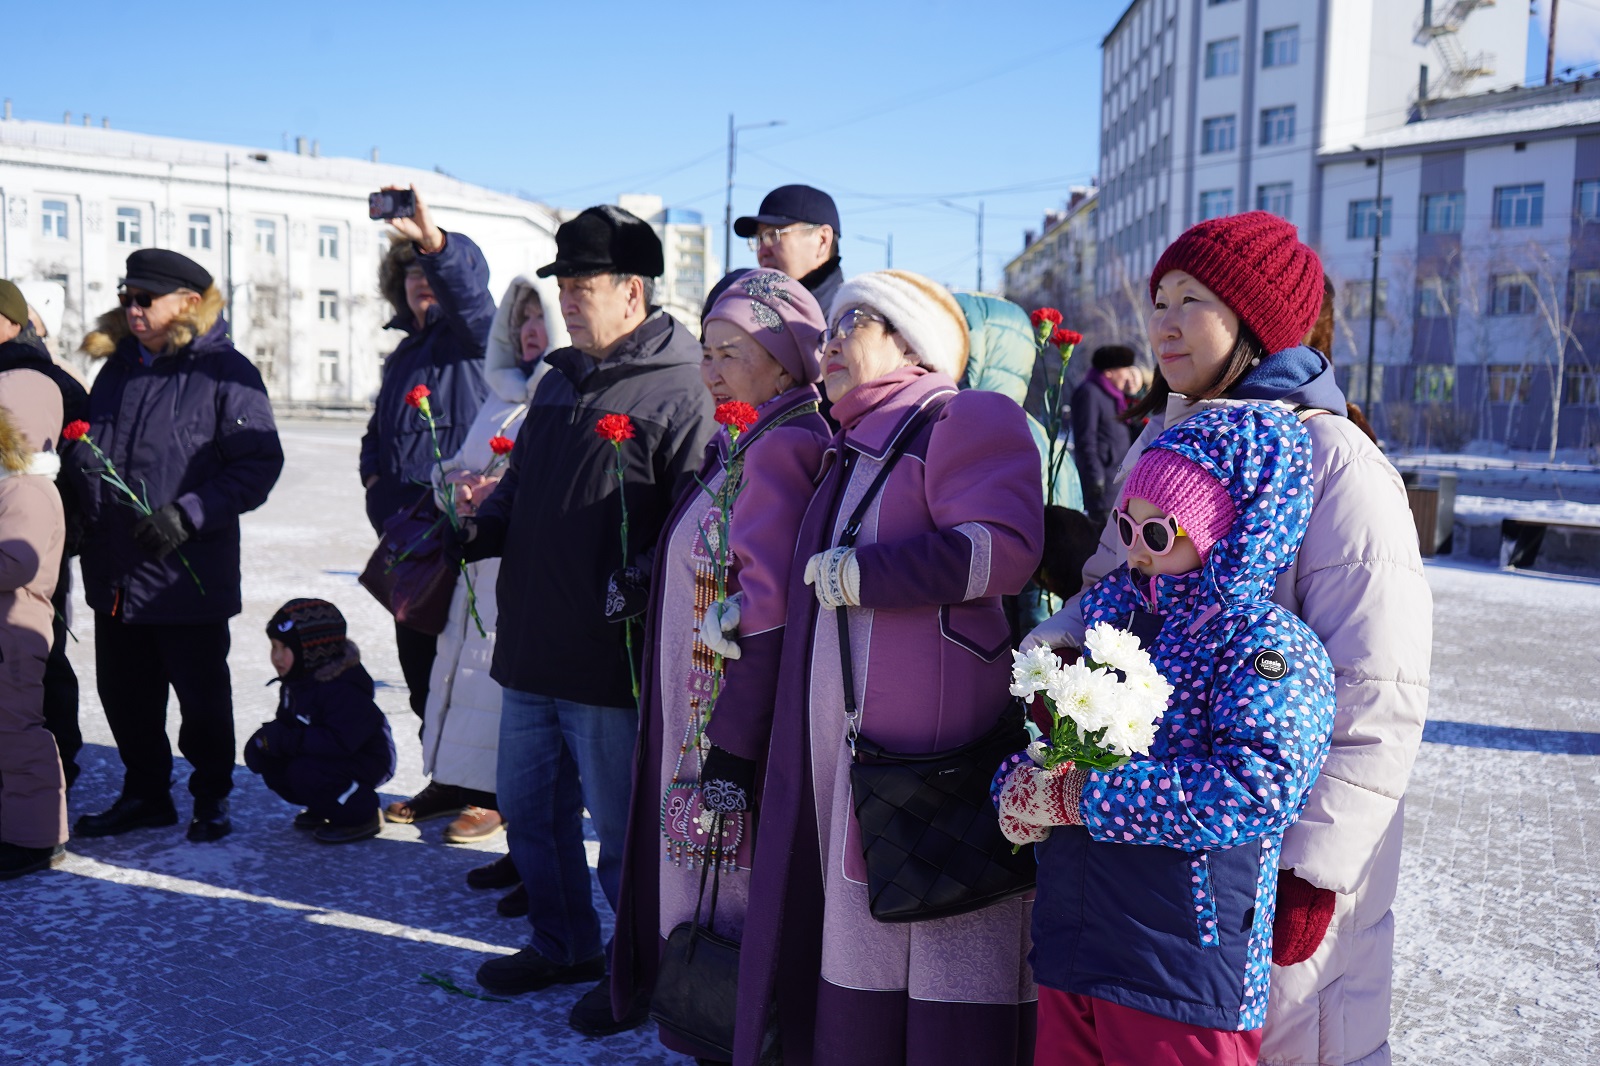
(697, 987)
(929, 832)
(409, 571)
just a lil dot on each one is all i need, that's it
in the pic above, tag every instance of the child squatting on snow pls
(1152, 930)
(329, 747)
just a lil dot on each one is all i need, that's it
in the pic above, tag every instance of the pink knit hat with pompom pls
(1182, 489)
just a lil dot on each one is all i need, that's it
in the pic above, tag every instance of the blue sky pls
(891, 105)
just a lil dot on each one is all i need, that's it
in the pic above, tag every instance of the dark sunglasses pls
(1158, 534)
(143, 299)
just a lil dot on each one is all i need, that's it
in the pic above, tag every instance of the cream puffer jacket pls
(1358, 582)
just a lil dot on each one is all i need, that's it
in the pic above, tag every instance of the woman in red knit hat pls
(1232, 298)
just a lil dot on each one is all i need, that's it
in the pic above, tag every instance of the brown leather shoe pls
(474, 823)
(435, 801)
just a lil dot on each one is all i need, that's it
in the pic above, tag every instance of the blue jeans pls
(555, 759)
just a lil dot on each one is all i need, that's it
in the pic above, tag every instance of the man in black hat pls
(185, 418)
(568, 589)
(797, 231)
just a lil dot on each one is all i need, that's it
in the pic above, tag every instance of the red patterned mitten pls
(1304, 911)
(1042, 798)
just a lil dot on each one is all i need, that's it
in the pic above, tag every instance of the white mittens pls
(836, 577)
(721, 619)
(1035, 799)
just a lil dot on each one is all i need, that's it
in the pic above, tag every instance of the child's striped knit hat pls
(313, 629)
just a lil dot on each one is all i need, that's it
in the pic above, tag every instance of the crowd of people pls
(689, 577)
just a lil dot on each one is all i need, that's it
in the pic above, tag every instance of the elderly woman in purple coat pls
(717, 614)
(958, 524)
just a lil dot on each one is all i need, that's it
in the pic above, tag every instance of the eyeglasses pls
(1159, 534)
(143, 299)
(772, 236)
(848, 323)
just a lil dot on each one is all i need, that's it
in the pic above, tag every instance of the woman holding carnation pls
(958, 524)
(1248, 291)
(461, 723)
(715, 624)
(1158, 876)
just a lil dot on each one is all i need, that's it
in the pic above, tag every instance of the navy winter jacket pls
(332, 717)
(446, 355)
(1100, 438)
(194, 428)
(1163, 899)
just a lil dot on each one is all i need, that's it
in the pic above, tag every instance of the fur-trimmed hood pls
(111, 328)
(500, 355)
(350, 658)
(30, 422)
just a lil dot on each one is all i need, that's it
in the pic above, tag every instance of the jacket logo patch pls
(1271, 665)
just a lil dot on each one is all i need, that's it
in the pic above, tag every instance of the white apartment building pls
(1487, 319)
(1056, 266)
(285, 234)
(686, 248)
(1211, 107)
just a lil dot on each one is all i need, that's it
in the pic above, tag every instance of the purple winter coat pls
(959, 523)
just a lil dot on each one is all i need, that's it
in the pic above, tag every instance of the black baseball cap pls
(606, 240)
(161, 270)
(788, 204)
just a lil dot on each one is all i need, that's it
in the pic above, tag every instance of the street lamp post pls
(979, 213)
(888, 248)
(1372, 292)
(727, 209)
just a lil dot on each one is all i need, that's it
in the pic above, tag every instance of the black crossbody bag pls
(929, 832)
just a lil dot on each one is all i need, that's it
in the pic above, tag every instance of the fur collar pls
(351, 657)
(39, 464)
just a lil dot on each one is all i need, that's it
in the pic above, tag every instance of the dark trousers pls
(325, 787)
(416, 652)
(136, 665)
(61, 683)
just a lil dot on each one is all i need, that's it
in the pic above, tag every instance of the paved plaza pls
(269, 948)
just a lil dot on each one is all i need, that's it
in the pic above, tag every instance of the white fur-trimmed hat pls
(920, 310)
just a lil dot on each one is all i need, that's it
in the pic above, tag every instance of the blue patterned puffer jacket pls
(1163, 900)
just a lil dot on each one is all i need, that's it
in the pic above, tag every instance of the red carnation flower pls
(501, 445)
(417, 395)
(615, 428)
(1045, 314)
(737, 415)
(75, 430)
(1065, 338)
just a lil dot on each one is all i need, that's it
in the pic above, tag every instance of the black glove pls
(727, 781)
(161, 530)
(627, 594)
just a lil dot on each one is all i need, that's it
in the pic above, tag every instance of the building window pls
(328, 305)
(1281, 48)
(130, 229)
(1442, 212)
(1589, 201)
(1217, 3)
(327, 242)
(266, 236)
(1277, 125)
(53, 213)
(1586, 290)
(1512, 294)
(1222, 57)
(1364, 218)
(1434, 384)
(1508, 384)
(1356, 385)
(1581, 385)
(199, 231)
(1216, 203)
(1436, 297)
(328, 368)
(1358, 298)
(1218, 134)
(1519, 206)
(1276, 198)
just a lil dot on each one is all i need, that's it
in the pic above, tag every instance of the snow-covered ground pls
(268, 948)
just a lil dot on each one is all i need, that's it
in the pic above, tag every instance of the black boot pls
(210, 821)
(502, 873)
(16, 860)
(592, 1016)
(129, 812)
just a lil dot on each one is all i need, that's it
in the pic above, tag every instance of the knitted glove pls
(722, 618)
(627, 594)
(1304, 911)
(727, 781)
(836, 576)
(1040, 797)
(162, 530)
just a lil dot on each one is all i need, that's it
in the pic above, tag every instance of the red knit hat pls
(1256, 265)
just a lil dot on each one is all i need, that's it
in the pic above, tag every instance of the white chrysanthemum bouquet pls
(1104, 709)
